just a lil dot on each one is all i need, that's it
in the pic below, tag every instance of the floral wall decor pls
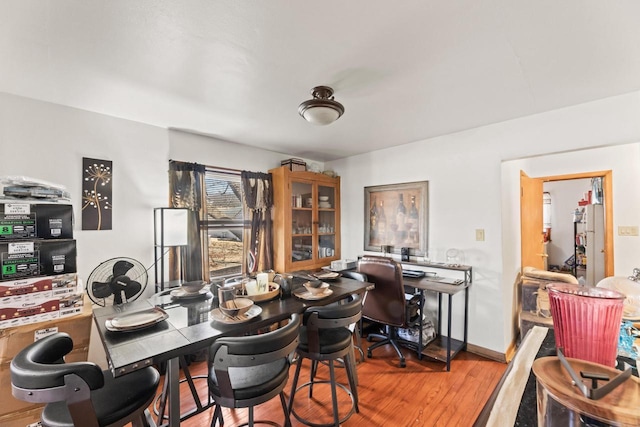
(96, 194)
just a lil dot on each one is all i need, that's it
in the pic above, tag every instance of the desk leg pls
(466, 316)
(421, 314)
(449, 309)
(173, 377)
(439, 314)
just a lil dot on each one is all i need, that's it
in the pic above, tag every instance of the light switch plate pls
(480, 234)
(628, 230)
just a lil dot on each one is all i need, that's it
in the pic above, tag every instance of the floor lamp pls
(170, 230)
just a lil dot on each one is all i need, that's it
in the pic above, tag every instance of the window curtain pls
(186, 189)
(257, 240)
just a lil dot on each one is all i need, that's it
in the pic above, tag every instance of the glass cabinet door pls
(301, 221)
(326, 221)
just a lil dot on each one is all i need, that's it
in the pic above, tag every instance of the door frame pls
(607, 187)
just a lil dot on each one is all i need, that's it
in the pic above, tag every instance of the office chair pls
(325, 336)
(386, 303)
(249, 370)
(80, 393)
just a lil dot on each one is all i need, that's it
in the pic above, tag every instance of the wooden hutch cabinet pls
(306, 219)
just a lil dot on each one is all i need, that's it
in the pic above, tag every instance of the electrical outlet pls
(480, 234)
(628, 230)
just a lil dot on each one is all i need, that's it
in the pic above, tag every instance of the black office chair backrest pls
(242, 362)
(386, 303)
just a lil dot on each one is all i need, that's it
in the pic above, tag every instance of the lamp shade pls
(322, 109)
(171, 226)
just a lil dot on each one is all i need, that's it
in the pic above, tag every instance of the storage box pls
(343, 264)
(39, 309)
(25, 220)
(47, 287)
(295, 164)
(11, 407)
(32, 258)
(14, 339)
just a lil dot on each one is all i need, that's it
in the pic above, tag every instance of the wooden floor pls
(422, 394)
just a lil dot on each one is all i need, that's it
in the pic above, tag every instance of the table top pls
(191, 327)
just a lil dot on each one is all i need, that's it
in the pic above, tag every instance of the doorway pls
(533, 251)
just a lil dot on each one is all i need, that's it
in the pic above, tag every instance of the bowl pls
(193, 287)
(316, 287)
(236, 307)
(323, 198)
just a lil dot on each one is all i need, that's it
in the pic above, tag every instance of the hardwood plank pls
(422, 394)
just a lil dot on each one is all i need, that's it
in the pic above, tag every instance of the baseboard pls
(485, 352)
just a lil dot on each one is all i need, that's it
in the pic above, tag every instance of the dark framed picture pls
(96, 194)
(396, 216)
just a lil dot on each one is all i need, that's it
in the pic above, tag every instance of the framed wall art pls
(396, 216)
(96, 194)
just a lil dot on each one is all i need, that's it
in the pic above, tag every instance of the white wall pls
(47, 141)
(470, 188)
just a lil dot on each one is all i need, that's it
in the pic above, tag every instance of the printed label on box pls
(20, 248)
(19, 265)
(17, 208)
(17, 226)
(41, 333)
(55, 226)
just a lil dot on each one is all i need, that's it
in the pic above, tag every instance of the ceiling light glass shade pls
(322, 109)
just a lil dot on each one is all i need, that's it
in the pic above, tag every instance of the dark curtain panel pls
(186, 184)
(257, 191)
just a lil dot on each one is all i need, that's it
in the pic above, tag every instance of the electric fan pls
(116, 281)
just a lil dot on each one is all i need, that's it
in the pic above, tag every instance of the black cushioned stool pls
(80, 393)
(325, 336)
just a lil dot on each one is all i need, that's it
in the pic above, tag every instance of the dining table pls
(172, 328)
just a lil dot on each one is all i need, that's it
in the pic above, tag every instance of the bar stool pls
(325, 336)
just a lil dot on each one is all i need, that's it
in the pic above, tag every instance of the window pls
(223, 222)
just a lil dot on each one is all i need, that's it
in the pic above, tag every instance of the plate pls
(254, 311)
(274, 291)
(135, 321)
(327, 275)
(305, 294)
(630, 289)
(182, 294)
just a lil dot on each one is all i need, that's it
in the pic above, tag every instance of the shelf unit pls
(306, 219)
(579, 248)
(442, 348)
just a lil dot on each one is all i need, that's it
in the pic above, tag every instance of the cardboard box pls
(24, 220)
(46, 287)
(39, 310)
(32, 258)
(12, 407)
(14, 339)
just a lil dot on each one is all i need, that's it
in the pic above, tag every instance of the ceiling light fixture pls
(322, 109)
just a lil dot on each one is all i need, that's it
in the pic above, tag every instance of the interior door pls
(531, 234)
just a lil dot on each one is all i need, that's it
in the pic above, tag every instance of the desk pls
(188, 329)
(442, 348)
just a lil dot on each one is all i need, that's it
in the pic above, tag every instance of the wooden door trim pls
(607, 176)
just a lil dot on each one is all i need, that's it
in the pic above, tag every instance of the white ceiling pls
(237, 70)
